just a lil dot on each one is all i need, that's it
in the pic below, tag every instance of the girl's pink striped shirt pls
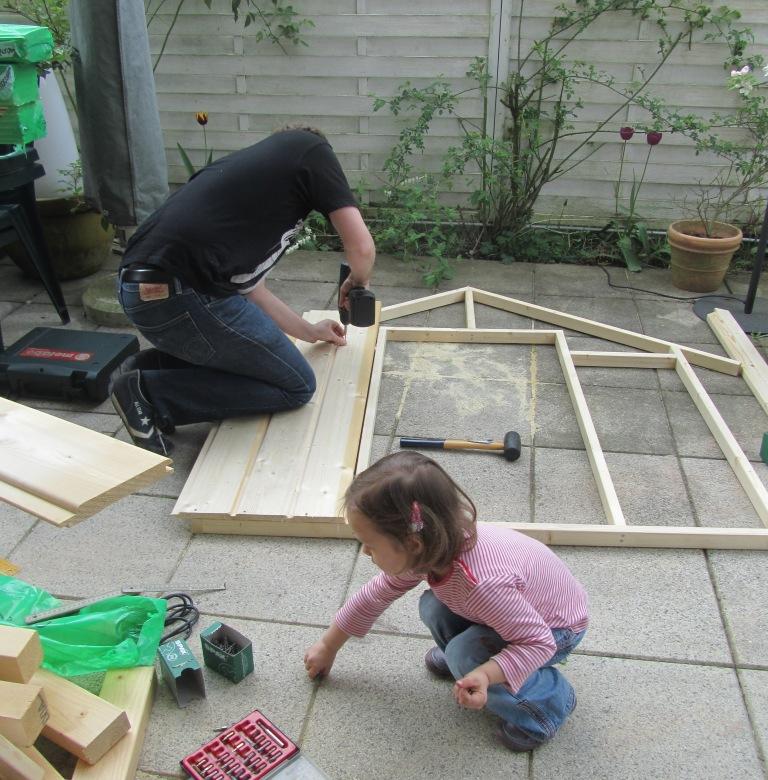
(508, 581)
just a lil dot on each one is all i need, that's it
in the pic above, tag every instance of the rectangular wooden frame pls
(617, 532)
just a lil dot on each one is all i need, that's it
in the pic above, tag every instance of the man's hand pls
(319, 659)
(471, 691)
(330, 331)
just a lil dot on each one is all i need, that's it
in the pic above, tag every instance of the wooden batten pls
(17, 765)
(23, 712)
(48, 770)
(80, 722)
(130, 690)
(622, 359)
(62, 472)
(426, 303)
(21, 653)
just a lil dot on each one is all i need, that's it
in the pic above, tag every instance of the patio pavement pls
(672, 677)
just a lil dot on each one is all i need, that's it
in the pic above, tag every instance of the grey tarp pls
(120, 137)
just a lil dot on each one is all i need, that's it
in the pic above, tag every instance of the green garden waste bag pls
(116, 633)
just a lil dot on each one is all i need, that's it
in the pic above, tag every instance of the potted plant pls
(78, 236)
(702, 248)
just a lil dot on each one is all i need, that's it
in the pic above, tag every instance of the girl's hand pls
(319, 659)
(330, 331)
(471, 691)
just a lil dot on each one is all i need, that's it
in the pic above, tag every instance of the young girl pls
(502, 607)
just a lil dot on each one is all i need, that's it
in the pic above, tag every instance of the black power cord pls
(183, 614)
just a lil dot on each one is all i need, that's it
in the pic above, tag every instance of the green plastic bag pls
(25, 43)
(116, 633)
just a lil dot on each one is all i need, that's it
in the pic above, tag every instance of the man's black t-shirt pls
(233, 220)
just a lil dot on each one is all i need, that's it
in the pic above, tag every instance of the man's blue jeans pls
(545, 699)
(229, 358)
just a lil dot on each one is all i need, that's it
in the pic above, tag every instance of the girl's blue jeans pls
(545, 699)
(228, 358)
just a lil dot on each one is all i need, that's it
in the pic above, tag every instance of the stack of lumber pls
(104, 732)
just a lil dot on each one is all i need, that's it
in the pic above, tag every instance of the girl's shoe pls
(437, 663)
(516, 739)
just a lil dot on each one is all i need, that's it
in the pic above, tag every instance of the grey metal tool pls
(172, 587)
(66, 609)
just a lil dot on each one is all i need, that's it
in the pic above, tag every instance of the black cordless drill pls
(362, 303)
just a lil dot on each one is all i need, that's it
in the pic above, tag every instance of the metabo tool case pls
(64, 363)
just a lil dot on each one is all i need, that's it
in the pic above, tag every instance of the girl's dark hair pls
(385, 493)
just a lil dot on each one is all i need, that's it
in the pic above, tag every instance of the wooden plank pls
(600, 471)
(63, 472)
(738, 345)
(608, 332)
(49, 772)
(369, 421)
(476, 336)
(644, 536)
(21, 653)
(426, 303)
(80, 722)
(329, 529)
(23, 712)
(131, 690)
(15, 765)
(469, 308)
(735, 456)
(623, 359)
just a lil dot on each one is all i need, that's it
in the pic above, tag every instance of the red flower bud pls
(626, 133)
(653, 137)
(202, 118)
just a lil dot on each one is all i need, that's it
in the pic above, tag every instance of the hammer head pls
(512, 445)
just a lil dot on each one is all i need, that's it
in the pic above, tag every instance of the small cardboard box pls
(227, 651)
(181, 671)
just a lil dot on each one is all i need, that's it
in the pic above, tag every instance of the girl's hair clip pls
(416, 523)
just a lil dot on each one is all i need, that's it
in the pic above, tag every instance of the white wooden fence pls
(360, 48)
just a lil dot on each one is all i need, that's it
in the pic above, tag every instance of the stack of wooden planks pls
(104, 732)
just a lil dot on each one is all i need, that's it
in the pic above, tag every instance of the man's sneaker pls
(150, 359)
(437, 663)
(137, 413)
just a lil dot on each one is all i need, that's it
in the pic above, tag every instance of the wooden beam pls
(738, 345)
(600, 471)
(644, 536)
(603, 331)
(623, 359)
(62, 472)
(80, 722)
(476, 336)
(739, 462)
(369, 420)
(427, 303)
(15, 765)
(332, 528)
(469, 307)
(21, 653)
(23, 712)
(131, 690)
(49, 772)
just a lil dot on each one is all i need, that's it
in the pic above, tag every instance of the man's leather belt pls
(146, 274)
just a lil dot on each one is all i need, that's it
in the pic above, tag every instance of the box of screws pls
(227, 651)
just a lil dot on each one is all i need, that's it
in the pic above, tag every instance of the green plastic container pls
(25, 43)
(18, 84)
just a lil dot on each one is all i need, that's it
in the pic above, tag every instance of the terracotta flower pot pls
(699, 262)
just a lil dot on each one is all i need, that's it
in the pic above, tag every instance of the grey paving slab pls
(548, 368)
(405, 724)
(619, 312)
(641, 719)
(626, 419)
(14, 525)
(578, 280)
(108, 424)
(755, 686)
(739, 577)
(305, 296)
(514, 280)
(718, 498)
(650, 488)
(649, 603)
(278, 686)
(389, 296)
(393, 390)
(132, 540)
(271, 578)
(490, 317)
(673, 322)
(742, 414)
(72, 290)
(465, 408)
(308, 266)
(17, 287)
(652, 281)
(6, 307)
(62, 405)
(33, 315)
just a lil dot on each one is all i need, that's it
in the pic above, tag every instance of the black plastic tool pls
(510, 447)
(362, 303)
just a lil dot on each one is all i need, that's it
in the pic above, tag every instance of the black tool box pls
(64, 363)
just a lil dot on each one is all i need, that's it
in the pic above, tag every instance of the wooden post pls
(23, 712)
(14, 765)
(20, 653)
